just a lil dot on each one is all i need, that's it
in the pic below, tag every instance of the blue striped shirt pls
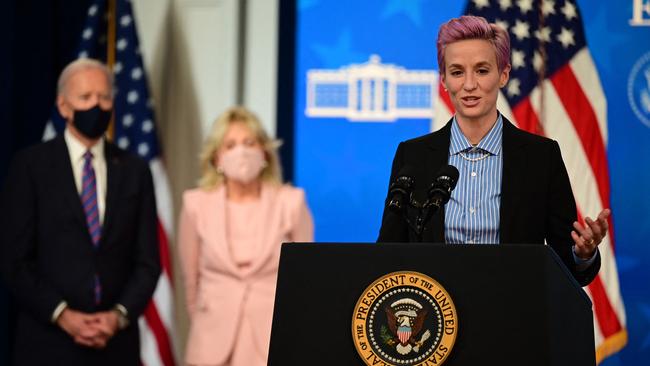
(472, 214)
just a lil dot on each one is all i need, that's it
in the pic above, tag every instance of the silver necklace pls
(473, 159)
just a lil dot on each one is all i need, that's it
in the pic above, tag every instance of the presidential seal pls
(638, 89)
(404, 318)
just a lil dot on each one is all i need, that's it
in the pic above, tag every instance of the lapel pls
(270, 221)
(64, 178)
(514, 168)
(114, 176)
(216, 209)
(266, 234)
(514, 163)
(438, 142)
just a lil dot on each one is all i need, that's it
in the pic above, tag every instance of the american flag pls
(134, 130)
(554, 90)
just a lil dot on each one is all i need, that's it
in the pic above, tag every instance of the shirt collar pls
(77, 149)
(490, 143)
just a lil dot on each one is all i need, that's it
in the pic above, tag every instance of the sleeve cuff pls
(58, 310)
(583, 264)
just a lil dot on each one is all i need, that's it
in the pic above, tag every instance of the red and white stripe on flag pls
(575, 115)
(157, 322)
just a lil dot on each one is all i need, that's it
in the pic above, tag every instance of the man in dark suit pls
(79, 236)
(513, 185)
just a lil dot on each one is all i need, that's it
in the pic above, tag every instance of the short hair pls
(210, 177)
(473, 27)
(79, 65)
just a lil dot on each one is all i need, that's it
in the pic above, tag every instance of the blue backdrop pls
(344, 164)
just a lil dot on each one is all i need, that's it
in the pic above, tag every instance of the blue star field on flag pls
(561, 33)
(134, 128)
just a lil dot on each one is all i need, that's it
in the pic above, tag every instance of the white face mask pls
(242, 163)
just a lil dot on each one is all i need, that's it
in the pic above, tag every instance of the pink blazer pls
(218, 292)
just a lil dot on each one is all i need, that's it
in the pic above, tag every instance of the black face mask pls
(92, 122)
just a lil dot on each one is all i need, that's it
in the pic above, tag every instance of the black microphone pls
(440, 190)
(399, 192)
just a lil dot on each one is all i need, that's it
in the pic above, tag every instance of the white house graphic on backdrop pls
(371, 91)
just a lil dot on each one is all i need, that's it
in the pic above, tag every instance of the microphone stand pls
(424, 212)
(438, 195)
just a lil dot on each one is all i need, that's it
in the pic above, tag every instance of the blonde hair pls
(210, 178)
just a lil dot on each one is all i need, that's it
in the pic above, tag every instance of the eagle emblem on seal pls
(405, 319)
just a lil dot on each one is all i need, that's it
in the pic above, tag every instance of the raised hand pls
(587, 238)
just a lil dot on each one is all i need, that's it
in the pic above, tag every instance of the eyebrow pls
(479, 64)
(483, 63)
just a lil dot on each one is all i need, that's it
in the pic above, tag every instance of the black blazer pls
(48, 255)
(537, 203)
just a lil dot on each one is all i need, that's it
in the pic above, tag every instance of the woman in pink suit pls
(230, 232)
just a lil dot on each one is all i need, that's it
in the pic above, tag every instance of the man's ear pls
(64, 109)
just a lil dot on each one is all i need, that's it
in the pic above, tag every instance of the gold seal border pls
(402, 279)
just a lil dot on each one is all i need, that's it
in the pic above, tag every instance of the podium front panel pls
(516, 304)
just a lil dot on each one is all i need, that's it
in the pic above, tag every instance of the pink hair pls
(473, 27)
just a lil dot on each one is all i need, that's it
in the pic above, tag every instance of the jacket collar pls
(64, 177)
(514, 162)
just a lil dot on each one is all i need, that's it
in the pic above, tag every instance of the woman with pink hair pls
(513, 186)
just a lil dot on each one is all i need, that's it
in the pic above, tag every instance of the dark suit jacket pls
(48, 255)
(537, 203)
